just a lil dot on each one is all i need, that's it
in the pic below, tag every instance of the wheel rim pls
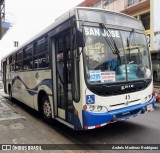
(47, 109)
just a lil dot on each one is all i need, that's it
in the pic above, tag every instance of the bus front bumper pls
(95, 120)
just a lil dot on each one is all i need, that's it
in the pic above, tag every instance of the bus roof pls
(60, 20)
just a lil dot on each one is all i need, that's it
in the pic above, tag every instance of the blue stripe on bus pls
(92, 119)
(32, 92)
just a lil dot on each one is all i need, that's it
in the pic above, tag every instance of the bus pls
(90, 68)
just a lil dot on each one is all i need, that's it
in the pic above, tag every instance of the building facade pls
(148, 12)
(4, 26)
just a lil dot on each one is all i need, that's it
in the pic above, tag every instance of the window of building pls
(132, 2)
(97, 5)
(107, 2)
(145, 18)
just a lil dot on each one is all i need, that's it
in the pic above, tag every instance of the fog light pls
(99, 108)
(91, 108)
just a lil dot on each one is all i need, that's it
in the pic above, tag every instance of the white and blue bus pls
(91, 67)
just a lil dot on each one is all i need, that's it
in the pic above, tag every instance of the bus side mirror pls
(79, 38)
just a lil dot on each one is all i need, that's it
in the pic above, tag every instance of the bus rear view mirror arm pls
(79, 38)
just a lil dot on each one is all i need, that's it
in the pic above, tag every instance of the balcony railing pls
(133, 2)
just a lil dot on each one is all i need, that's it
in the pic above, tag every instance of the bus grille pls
(125, 114)
(110, 90)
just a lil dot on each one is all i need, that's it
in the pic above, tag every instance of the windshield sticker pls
(95, 75)
(98, 32)
(94, 49)
(108, 76)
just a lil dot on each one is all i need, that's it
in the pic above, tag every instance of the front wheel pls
(46, 109)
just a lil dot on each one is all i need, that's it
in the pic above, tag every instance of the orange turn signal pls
(85, 107)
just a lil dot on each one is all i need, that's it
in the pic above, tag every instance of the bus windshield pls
(110, 18)
(105, 64)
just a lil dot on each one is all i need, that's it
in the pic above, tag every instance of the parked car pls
(156, 95)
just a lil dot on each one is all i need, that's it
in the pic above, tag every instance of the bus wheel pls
(46, 109)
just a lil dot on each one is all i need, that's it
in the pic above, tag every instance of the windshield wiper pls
(130, 42)
(111, 42)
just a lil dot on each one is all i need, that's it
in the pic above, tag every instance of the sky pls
(29, 17)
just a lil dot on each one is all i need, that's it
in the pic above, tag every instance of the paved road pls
(21, 125)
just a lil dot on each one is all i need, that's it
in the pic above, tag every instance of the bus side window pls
(19, 66)
(28, 51)
(41, 61)
(28, 64)
(41, 56)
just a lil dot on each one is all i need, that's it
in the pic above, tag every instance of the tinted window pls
(19, 66)
(109, 18)
(28, 64)
(28, 51)
(41, 45)
(12, 66)
(41, 61)
(19, 56)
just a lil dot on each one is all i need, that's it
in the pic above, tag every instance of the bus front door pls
(63, 78)
(4, 76)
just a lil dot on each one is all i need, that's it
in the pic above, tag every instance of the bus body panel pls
(27, 85)
(96, 120)
(119, 101)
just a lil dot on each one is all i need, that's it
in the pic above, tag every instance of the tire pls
(46, 109)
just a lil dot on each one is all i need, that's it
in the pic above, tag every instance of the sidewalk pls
(18, 129)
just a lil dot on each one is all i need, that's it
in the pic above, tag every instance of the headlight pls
(147, 98)
(91, 108)
(95, 109)
(99, 108)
